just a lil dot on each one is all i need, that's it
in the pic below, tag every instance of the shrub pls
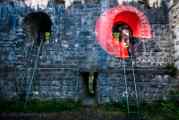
(171, 70)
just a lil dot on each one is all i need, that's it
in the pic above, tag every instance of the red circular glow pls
(128, 15)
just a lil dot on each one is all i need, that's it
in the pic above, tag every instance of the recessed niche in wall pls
(89, 83)
(37, 26)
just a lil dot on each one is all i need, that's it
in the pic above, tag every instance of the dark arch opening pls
(37, 25)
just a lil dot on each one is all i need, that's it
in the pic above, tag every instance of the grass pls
(39, 106)
(54, 106)
(113, 107)
(161, 110)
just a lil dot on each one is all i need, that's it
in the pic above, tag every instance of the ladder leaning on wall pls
(131, 93)
(32, 58)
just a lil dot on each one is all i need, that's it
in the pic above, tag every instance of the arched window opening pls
(123, 33)
(37, 26)
(131, 16)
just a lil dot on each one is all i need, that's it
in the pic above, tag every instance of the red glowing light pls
(131, 16)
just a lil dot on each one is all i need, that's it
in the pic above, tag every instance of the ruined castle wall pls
(73, 49)
(173, 13)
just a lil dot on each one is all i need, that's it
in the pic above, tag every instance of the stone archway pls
(129, 15)
(37, 26)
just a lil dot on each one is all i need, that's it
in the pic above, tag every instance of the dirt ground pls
(86, 114)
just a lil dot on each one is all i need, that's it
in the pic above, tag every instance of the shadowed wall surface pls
(73, 49)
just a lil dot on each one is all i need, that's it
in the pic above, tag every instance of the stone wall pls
(173, 13)
(151, 85)
(73, 49)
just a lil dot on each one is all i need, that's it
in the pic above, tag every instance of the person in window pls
(129, 42)
(121, 36)
(125, 42)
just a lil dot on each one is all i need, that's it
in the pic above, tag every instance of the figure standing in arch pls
(127, 44)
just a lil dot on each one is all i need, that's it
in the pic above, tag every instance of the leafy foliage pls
(171, 70)
(162, 110)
